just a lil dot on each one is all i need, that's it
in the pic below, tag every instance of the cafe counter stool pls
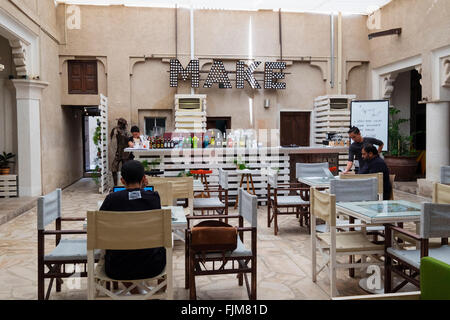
(247, 175)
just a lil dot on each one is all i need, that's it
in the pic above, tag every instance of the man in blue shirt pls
(374, 164)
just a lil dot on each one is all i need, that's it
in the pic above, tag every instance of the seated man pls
(374, 164)
(133, 264)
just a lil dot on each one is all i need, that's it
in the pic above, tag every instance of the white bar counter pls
(174, 161)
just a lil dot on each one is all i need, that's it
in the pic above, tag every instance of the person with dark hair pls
(355, 149)
(136, 138)
(374, 164)
(133, 264)
(119, 141)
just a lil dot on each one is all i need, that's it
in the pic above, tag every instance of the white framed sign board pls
(372, 119)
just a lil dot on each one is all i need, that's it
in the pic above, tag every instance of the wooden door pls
(295, 128)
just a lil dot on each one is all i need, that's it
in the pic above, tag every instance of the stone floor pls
(284, 261)
(11, 208)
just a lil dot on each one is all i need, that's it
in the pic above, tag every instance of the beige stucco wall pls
(61, 140)
(149, 37)
(425, 27)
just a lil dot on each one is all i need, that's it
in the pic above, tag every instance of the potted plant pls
(5, 160)
(150, 167)
(401, 158)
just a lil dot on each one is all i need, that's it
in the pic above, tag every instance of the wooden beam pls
(397, 31)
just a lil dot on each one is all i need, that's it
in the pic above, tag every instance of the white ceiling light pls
(318, 6)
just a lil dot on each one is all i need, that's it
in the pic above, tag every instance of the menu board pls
(372, 119)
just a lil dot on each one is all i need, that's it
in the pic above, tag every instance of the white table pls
(317, 182)
(380, 212)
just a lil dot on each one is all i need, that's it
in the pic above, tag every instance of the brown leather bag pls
(213, 236)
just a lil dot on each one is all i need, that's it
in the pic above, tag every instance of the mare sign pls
(218, 74)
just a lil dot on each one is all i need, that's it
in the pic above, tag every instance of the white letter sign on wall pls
(74, 17)
(218, 74)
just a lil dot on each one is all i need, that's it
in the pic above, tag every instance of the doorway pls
(295, 128)
(219, 123)
(418, 113)
(90, 122)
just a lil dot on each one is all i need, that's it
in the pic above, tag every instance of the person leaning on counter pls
(356, 148)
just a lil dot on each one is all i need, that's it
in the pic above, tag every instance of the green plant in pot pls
(150, 167)
(5, 161)
(401, 158)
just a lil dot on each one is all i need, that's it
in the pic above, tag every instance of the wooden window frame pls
(83, 76)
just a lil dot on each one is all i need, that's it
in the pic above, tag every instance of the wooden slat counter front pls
(174, 161)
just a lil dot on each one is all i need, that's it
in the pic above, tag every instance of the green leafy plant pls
(399, 144)
(5, 159)
(184, 174)
(153, 164)
(97, 138)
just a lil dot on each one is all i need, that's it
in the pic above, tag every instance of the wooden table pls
(246, 174)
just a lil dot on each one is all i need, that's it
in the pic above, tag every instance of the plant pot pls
(404, 168)
(5, 171)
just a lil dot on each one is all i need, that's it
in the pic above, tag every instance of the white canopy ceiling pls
(319, 6)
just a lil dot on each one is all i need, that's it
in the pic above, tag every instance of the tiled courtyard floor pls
(284, 261)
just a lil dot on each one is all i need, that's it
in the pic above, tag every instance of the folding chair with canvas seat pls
(441, 193)
(445, 175)
(378, 176)
(356, 190)
(392, 180)
(129, 231)
(236, 261)
(67, 252)
(182, 188)
(434, 223)
(165, 191)
(278, 198)
(309, 170)
(336, 244)
(217, 204)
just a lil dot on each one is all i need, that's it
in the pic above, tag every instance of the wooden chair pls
(334, 244)
(434, 222)
(441, 193)
(307, 170)
(278, 198)
(378, 176)
(67, 252)
(182, 188)
(165, 191)
(445, 175)
(217, 204)
(392, 180)
(129, 231)
(236, 262)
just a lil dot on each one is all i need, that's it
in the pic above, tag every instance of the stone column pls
(28, 95)
(438, 138)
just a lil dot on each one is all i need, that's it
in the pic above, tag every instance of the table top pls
(379, 212)
(319, 182)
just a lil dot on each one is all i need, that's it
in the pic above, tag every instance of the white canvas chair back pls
(48, 209)
(323, 206)
(223, 178)
(272, 177)
(435, 221)
(355, 190)
(129, 230)
(307, 170)
(445, 175)
(378, 175)
(248, 205)
(441, 193)
(165, 192)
